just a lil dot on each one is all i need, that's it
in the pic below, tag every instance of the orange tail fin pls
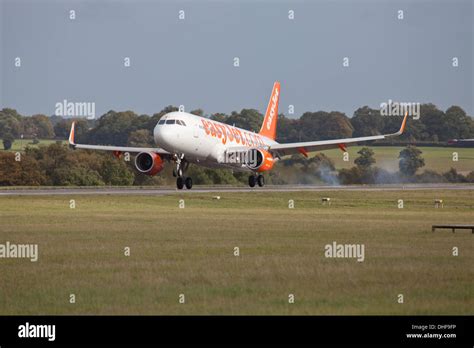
(271, 116)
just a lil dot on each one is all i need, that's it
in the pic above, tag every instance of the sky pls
(190, 61)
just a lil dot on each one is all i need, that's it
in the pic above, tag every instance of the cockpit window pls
(180, 122)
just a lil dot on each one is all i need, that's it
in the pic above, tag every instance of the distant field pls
(190, 251)
(19, 144)
(436, 158)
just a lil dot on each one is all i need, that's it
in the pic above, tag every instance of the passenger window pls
(170, 121)
(161, 122)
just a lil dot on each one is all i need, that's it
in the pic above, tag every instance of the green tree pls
(249, 119)
(287, 131)
(63, 127)
(410, 160)
(365, 159)
(44, 127)
(78, 176)
(199, 175)
(198, 112)
(350, 176)
(39, 126)
(323, 125)
(10, 123)
(457, 125)
(219, 117)
(367, 121)
(433, 119)
(430, 176)
(114, 128)
(26, 172)
(8, 140)
(7, 112)
(115, 172)
(452, 175)
(140, 138)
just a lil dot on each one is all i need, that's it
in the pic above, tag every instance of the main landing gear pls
(181, 167)
(256, 179)
(182, 181)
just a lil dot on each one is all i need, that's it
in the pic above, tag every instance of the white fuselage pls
(205, 141)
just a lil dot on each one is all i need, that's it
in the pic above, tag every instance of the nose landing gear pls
(181, 167)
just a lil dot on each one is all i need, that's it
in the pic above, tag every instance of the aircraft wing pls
(73, 144)
(310, 146)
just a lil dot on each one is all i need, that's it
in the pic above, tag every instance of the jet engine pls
(149, 163)
(259, 160)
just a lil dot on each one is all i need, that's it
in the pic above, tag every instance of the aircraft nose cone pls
(163, 137)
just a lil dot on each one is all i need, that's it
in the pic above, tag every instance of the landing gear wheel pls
(260, 180)
(252, 180)
(180, 182)
(189, 183)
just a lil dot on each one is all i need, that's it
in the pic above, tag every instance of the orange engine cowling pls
(149, 163)
(259, 160)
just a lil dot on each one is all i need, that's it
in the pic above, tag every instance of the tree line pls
(128, 128)
(56, 165)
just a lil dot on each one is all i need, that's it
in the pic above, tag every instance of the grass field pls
(19, 145)
(439, 159)
(190, 251)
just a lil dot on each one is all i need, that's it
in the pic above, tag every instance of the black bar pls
(347, 330)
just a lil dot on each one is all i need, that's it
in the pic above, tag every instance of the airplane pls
(184, 138)
(461, 142)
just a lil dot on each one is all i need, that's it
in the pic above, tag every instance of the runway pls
(213, 189)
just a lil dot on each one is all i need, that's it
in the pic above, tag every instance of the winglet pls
(71, 134)
(402, 127)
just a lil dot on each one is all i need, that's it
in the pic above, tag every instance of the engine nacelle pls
(259, 160)
(149, 163)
